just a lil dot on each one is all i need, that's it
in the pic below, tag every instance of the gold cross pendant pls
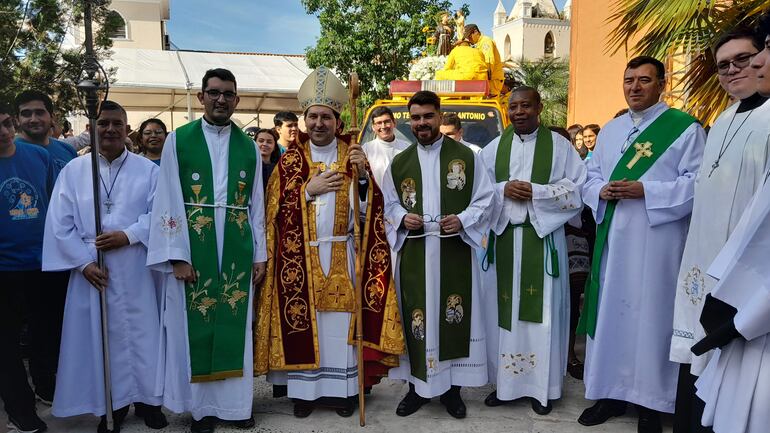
(643, 150)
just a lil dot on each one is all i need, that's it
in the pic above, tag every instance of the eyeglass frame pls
(432, 218)
(743, 58)
(214, 95)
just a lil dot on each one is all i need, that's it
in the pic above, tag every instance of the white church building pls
(532, 30)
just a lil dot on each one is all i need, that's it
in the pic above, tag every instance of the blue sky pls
(269, 26)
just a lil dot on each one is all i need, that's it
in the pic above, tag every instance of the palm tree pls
(550, 77)
(685, 29)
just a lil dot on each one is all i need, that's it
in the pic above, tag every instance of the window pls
(550, 46)
(507, 47)
(118, 24)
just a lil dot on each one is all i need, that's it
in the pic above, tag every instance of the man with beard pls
(735, 385)
(381, 151)
(70, 244)
(538, 176)
(207, 237)
(640, 187)
(306, 307)
(733, 167)
(436, 194)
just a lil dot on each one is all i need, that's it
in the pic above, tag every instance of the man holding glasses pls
(437, 196)
(207, 236)
(733, 162)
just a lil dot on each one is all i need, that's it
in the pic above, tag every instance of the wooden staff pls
(354, 93)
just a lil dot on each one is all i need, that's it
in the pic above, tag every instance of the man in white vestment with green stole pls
(436, 195)
(640, 187)
(538, 176)
(207, 236)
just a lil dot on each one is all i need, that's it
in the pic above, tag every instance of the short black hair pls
(739, 33)
(424, 97)
(451, 119)
(763, 26)
(284, 116)
(383, 111)
(528, 89)
(660, 69)
(153, 120)
(112, 106)
(221, 73)
(5, 109)
(33, 95)
(561, 131)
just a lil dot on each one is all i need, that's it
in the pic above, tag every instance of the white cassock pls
(380, 153)
(510, 352)
(736, 383)
(338, 372)
(473, 147)
(132, 306)
(628, 357)
(470, 371)
(228, 399)
(721, 197)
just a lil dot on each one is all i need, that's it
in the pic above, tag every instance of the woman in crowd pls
(152, 135)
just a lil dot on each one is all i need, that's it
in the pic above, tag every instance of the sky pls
(270, 26)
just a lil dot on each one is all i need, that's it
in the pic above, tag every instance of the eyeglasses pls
(149, 132)
(739, 62)
(432, 218)
(386, 122)
(215, 94)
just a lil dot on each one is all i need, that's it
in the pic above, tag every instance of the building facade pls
(533, 29)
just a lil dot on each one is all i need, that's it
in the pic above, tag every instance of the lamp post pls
(92, 88)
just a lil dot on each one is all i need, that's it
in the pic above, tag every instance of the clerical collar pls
(527, 137)
(213, 127)
(638, 116)
(435, 144)
(325, 149)
(750, 103)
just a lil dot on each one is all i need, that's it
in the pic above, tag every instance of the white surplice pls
(380, 153)
(736, 382)
(530, 360)
(721, 196)
(628, 357)
(228, 399)
(337, 375)
(132, 306)
(470, 371)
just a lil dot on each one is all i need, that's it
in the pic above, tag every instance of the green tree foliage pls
(551, 79)
(31, 55)
(376, 38)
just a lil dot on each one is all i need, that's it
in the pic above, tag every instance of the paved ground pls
(275, 415)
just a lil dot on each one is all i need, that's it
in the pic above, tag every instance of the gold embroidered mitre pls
(322, 87)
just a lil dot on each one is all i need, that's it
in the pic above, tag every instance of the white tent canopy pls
(154, 80)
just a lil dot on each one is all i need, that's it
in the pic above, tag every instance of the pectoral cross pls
(431, 363)
(108, 204)
(531, 291)
(506, 297)
(318, 203)
(643, 150)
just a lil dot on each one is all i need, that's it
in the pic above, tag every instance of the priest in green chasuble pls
(537, 177)
(207, 237)
(437, 201)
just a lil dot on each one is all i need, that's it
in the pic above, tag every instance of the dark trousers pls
(689, 408)
(37, 297)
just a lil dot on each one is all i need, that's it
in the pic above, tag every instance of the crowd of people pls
(231, 253)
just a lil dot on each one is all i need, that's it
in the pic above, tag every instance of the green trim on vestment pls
(218, 301)
(638, 158)
(456, 257)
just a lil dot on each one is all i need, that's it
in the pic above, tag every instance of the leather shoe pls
(493, 401)
(454, 403)
(411, 403)
(302, 410)
(243, 423)
(603, 410)
(152, 415)
(539, 408)
(118, 416)
(575, 369)
(649, 421)
(204, 425)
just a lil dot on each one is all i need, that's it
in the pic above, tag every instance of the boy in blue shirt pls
(26, 181)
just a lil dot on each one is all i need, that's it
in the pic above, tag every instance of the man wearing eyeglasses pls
(733, 162)
(207, 237)
(438, 200)
(640, 187)
(385, 146)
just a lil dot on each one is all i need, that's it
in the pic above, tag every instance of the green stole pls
(533, 267)
(456, 258)
(637, 159)
(218, 301)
